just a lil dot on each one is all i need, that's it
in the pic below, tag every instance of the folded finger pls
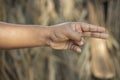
(80, 43)
(75, 48)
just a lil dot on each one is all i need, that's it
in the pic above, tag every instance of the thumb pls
(74, 47)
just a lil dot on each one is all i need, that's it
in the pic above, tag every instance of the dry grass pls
(43, 63)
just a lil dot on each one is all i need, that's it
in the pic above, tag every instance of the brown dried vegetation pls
(100, 59)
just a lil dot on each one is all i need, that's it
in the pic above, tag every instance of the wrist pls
(44, 35)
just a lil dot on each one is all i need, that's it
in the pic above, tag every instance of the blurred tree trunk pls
(105, 13)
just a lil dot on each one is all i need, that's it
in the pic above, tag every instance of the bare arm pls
(61, 36)
(22, 36)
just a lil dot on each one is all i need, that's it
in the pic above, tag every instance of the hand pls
(70, 35)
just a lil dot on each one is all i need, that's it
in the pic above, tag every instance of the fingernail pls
(78, 50)
(81, 43)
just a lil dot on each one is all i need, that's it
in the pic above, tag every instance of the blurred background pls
(99, 60)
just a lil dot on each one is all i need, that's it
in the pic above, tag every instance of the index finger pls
(91, 28)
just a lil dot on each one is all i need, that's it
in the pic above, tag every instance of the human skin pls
(64, 36)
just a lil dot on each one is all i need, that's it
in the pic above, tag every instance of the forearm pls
(22, 36)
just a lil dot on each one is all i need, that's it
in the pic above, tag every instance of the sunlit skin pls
(64, 36)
